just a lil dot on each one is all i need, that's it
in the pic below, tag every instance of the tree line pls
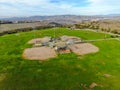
(95, 25)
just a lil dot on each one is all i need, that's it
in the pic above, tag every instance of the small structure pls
(61, 47)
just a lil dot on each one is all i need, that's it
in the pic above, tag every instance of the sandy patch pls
(107, 75)
(39, 53)
(40, 40)
(92, 85)
(33, 41)
(83, 48)
(67, 38)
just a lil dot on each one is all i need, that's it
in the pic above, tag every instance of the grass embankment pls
(66, 72)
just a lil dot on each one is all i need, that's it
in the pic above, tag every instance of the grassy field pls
(66, 72)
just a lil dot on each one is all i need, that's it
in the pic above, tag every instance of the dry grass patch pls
(2, 77)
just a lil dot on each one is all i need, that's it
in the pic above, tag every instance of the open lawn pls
(66, 72)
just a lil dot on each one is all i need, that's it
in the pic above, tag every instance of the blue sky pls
(11, 8)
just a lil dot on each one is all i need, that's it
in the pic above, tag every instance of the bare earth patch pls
(67, 38)
(33, 41)
(107, 75)
(93, 85)
(39, 53)
(83, 48)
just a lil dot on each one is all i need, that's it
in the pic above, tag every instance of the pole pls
(0, 25)
(54, 33)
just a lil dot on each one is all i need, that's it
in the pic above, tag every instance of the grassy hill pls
(66, 72)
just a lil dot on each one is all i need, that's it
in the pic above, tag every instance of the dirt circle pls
(83, 48)
(39, 53)
(33, 41)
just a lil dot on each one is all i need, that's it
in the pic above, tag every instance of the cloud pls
(104, 6)
(56, 7)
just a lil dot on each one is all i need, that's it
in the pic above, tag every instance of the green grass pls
(66, 72)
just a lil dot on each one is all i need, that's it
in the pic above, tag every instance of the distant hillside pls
(65, 19)
(114, 15)
(109, 23)
(103, 25)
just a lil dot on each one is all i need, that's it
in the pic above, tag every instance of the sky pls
(11, 8)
